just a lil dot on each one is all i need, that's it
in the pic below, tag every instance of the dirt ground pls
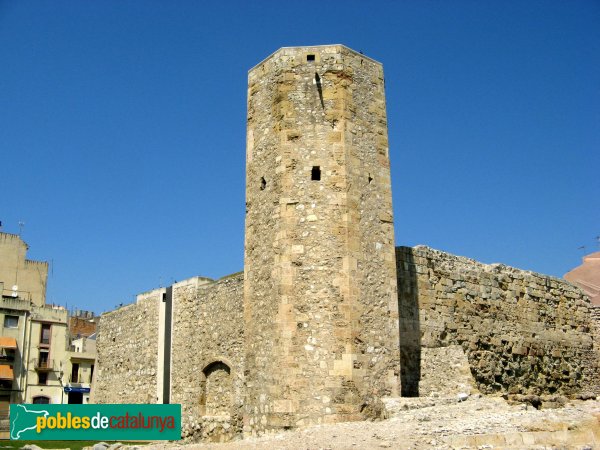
(477, 423)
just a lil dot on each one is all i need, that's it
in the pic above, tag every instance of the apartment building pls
(44, 355)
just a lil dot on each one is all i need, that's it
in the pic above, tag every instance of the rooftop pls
(587, 277)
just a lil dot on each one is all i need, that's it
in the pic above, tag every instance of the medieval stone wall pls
(523, 333)
(127, 346)
(310, 332)
(594, 369)
(208, 356)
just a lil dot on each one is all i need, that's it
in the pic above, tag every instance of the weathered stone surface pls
(445, 373)
(311, 332)
(127, 353)
(593, 371)
(207, 367)
(320, 293)
(523, 332)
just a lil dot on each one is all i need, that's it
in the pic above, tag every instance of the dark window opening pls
(43, 378)
(310, 57)
(45, 335)
(11, 321)
(315, 174)
(75, 398)
(75, 373)
(370, 178)
(44, 360)
(41, 400)
(263, 183)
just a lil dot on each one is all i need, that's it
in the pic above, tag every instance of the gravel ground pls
(480, 423)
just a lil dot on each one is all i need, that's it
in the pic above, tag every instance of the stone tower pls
(320, 300)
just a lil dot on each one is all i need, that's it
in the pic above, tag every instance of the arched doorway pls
(217, 390)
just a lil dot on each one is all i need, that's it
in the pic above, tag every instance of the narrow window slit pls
(370, 178)
(263, 183)
(315, 174)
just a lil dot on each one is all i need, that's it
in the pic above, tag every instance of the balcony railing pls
(18, 295)
(4, 421)
(43, 364)
(7, 357)
(79, 379)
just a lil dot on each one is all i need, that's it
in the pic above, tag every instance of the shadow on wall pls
(410, 328)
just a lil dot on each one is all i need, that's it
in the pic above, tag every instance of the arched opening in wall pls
(216, 390)
(41, 400)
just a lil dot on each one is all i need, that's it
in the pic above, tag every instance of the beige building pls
(39, 360)
(21, 277)
(80, 359)
(587, 277)
(46, 354)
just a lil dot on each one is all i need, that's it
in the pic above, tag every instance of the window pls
(315, 174)
(43, 378)
(45, 334)
(11, 321)
(44, 362)
(75, 373)
(310, 58)
(91, 373)
(263, 183)
(41, 400)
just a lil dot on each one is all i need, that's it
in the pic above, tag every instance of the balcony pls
(8, 346)
(79, 380)
(82, 357)
(43, 365)
(6, 373)
(17, 295)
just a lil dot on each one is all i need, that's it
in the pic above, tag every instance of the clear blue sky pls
(122, 130)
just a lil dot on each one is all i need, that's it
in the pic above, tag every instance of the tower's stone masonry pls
(523, 332)
(320, 293)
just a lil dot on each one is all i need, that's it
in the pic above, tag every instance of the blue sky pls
(122, 130)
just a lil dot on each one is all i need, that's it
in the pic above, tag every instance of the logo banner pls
(113, 422)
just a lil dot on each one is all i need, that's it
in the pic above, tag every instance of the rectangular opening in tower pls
(310, 57)
(315, 174)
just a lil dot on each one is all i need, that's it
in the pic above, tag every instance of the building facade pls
(35, 340)
(80, 358)
(587, 277)
(20, 277)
